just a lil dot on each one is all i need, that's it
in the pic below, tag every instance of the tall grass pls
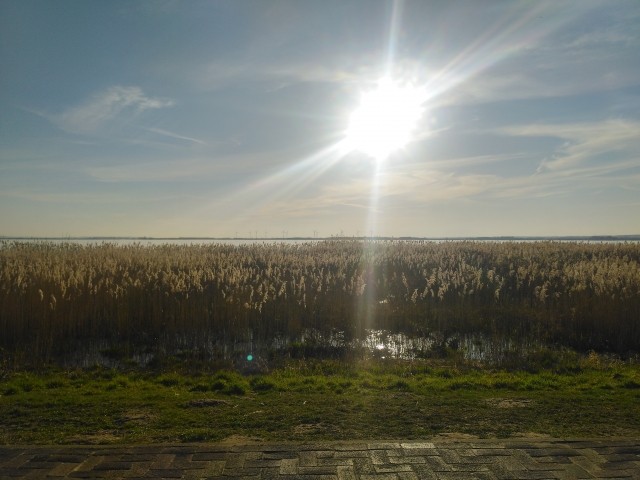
(57, 297)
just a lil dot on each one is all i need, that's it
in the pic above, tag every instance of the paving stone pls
(234, 461)
(346, 473)
(17, 460)
(165, 473)
(211, 469)
(527, 475)
(552, 452)
(276, 447)
(270, 474)
(620, 466)
(335, 461)
(553, 459)
(279, 455)
(407, 476)
(378, 457)
(289, 466)
(317, 470)
(618, 474)
(61, 470)
(113, 466)
(351, 454)
(66, 458)
(469, 467)
(209, 456)
(138, 470)
(261, 463)
(493, 452)
(483, 460)
(88, 474)
(31, 465)
(308, 459)
(392, 468)
(574, 471)
(623, 457)
(628, 449)
(90, 462)
(241, 472)
(420, 452)
(485, 476)
(489, 444)
(420, 445)
(382, 445)
(455, 476)
(437, 464)
(406, 460)
(424, 471)
(178, 450)
(449, 455)
(163, 460)
(12, 472)
(363, 466)
(385, 476)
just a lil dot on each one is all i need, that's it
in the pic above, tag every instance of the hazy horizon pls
(253, 236)
(215, 119)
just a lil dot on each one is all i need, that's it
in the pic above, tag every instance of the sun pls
(386, 119)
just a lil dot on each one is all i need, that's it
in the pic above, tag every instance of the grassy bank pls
(320, 400)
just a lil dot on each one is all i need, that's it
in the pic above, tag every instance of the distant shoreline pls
(613, 238)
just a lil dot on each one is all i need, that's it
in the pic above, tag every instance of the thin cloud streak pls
(584, 141)
(117, 103)
(91, 198)
(169, 134)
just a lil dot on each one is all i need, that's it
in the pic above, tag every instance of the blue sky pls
(220, 118)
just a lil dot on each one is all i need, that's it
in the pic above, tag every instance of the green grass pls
(319, 400)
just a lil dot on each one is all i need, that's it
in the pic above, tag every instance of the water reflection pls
(381, 344)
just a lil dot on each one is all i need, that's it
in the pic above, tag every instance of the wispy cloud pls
(182, 169)
(102, 109)
(156, 171)
(167, 133)
(585, 141)
(92, 198)
(277, 75)
(528, 52)
(549, 57)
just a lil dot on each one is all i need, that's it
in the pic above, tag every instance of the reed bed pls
(54, 298)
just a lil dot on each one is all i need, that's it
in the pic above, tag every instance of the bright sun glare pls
(386, 119)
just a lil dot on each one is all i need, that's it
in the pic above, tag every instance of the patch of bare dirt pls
(98, 438)
(509, 402)
(137, 416)
(531, 435)
(305, 429)
(207, 402)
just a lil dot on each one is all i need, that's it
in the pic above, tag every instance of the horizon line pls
(634, 236)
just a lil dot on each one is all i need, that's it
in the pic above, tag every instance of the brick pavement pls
(468, 459)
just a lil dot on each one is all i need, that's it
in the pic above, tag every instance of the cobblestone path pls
(479, 459)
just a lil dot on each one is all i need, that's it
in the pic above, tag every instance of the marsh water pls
(378, 344)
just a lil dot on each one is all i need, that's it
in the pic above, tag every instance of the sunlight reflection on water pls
(381, 344)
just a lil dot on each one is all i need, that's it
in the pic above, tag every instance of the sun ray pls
(282, 184)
